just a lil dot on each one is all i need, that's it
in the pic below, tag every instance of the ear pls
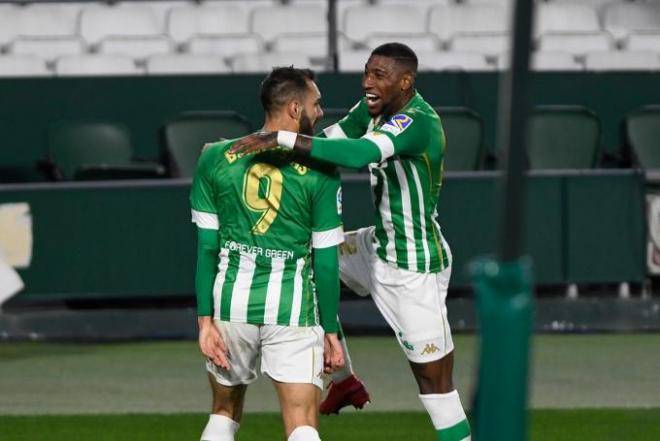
(406, 81)
(294, 109)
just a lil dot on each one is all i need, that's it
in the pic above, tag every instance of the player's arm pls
(204, 215)
(353, 125)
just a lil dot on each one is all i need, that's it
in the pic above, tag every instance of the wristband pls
(286, 139)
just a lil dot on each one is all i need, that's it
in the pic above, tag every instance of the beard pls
(306, 125)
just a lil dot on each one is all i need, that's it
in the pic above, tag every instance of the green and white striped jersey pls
(406, 184)
(269, 211)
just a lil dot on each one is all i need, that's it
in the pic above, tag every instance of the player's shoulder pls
(313, 168)
(418, 114)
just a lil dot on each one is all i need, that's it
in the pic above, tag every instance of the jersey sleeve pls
(327, 229)
(353, 125)
(402, 134)
(202, 200)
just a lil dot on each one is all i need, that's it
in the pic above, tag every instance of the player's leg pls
(345, 387)
(414, 306)
(293, 358)
(228, 386)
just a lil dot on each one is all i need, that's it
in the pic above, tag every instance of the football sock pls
(448, 416)
(219, 428)
(304, 433)
(341, 374)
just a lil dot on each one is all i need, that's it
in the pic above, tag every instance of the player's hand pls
(211, 343)
(333, 354)
(255, 142)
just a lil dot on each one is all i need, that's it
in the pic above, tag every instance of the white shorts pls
(412, 303)
(289, 354)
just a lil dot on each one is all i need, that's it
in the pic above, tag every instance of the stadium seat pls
(565, 17)
(175, 64)
(72, 145)
(23, 66)
(622, 60)
(597, 5)
(464, 138)
(161, 9)
(620, 19)
(643, 41)
(468, 61)
(84, 65)
(486, 44)
(359, 22)
(559, 61)
(225, 46)
(643, 136)
(417, 42)
(313, 45)
(185, 136)
(276, 20)
(576, 43)
(453, 20)
(47, 48)
(98, 22)
(219, 18)
(353, 61)
(563, 137)
(137, 48)
(8, 23)
(264, 62)
(52, 20)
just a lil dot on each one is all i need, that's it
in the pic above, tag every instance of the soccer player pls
(258, 216)
(404, 261)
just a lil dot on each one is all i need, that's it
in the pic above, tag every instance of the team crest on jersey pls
(339, 199)
(301, 169)
(397, 124)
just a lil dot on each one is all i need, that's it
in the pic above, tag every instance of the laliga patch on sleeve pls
(339, 201)
(397, 124)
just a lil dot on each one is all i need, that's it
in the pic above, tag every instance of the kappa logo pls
(430, 348)
(397, 124)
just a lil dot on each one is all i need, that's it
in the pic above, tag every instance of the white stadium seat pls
(487, 44)
(8, 23)
(47, 48)
(313, 45)
(208, 19)
(89, 65)
(620, 19)
(136, 47)
(359, 22)
(448, 21)
(597, 5)
(260, 62)
(565, 17)
(643, 41)
(561, 61)
(225, 45)
(462, 61)
(176, 64)
(47, 20)
(353, 61)
(272, 21)
(161, 9)
(98, 22)
(417, 42)
(23, 66)
(576, 43)
(622, 60)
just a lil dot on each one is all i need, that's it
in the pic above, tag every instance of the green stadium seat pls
(464, 131)
(77, 148)
(643, 136)
(563, 137)
(185, 135)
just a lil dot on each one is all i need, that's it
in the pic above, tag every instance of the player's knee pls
(304, 433)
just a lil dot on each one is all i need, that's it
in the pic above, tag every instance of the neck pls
(277, 122)
(405, 99)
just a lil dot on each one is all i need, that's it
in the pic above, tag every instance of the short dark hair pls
(283, 84)
(400, 52)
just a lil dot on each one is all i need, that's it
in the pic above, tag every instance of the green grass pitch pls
(546, 425)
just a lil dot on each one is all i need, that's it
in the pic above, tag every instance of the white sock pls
(219, 428)
(447, 415)
(341, 374)
(304, 433)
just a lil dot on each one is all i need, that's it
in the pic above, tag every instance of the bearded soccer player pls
(258, 215)
(404, 262)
